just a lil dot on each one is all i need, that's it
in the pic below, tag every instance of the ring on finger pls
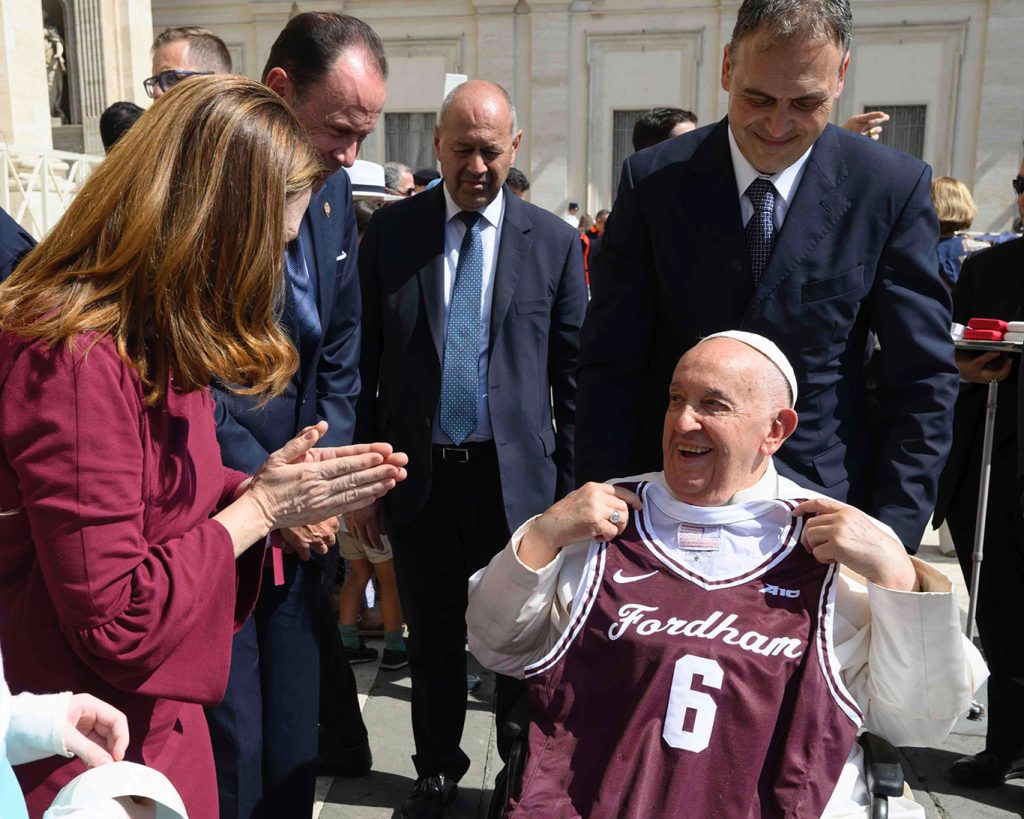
(615, 517)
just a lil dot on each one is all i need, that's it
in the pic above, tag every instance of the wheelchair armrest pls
(882, 768)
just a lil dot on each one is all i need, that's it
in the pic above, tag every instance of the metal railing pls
(36, 186)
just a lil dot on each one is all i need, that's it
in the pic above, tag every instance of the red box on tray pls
(983, 335)
(988, 324)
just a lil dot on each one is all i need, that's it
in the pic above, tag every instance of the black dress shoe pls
(429, 798)
(986, 769)
(335, 759)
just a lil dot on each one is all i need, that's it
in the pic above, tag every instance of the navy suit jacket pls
(857, 252)
(327, 381)
(536, 311)
(15, 242)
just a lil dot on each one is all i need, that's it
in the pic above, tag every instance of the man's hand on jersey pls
(584, 514)
(842, 534)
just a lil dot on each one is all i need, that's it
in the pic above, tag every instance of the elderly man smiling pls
(690, 645)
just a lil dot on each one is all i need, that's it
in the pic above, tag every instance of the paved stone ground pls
(385, 698)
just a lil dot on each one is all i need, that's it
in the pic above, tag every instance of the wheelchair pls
(882, 770)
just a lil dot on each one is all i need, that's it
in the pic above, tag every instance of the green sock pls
(349, 635)
(393, 641)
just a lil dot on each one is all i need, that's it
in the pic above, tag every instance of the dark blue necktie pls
(462, 341)
(307, 316)
(761, 227)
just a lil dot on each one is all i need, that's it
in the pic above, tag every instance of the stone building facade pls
(950, 71)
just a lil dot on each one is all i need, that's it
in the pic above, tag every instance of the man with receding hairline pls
(472, 303)
(798, 230)
(744, 663)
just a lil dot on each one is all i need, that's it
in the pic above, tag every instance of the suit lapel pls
(327, 229)
(431, 275)
(709, 196)
(513, 250)
(816, 209)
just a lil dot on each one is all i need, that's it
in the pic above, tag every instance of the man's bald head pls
(477, 96)
(476, 140)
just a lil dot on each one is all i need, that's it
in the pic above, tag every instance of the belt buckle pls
(454, 454)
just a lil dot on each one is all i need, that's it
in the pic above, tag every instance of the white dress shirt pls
(490, 238)
(785, 181)
(903, 656)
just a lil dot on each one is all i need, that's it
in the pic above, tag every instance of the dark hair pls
(655, 126)
(786, 20)
(517, 180)
(116, 120)
(312, 42)
(204, 47)
(424, 176)
(365, 208)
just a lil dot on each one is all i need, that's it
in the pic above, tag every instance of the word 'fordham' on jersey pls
(709, 628)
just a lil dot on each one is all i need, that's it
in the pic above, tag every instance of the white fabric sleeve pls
(516, 614)
(904, 658)
(37, 727)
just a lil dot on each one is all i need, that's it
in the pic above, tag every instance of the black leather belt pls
(464, 453)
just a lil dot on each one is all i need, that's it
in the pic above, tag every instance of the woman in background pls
(127, 559)
(955, 208)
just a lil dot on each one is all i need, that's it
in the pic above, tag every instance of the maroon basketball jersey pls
(697, 676)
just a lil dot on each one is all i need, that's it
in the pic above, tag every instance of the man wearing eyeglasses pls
(185, 52)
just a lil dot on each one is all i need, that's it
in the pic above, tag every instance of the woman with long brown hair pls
(164, 273)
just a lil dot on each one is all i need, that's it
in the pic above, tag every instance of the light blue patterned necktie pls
(307, 316)
(761, 227)
(462, 341)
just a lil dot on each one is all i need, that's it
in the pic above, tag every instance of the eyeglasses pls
(1018, 185)
(166, 80)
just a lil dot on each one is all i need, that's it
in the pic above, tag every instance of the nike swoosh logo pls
(342, 256)
(619, 577)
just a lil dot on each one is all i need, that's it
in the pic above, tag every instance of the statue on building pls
(56, 70)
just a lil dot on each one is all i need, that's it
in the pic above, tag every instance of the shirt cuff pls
(37, 727)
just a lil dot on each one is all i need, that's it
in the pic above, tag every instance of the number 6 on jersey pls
(682, 699)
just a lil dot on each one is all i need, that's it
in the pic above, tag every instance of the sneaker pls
(391, 660)
(361, 654)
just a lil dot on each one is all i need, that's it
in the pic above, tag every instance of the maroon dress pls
(113, 579)
(674, 692)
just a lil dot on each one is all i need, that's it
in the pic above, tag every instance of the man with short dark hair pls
(184, 52)
(776, 222)
(472, 302)
(331, 70)
(115, 122)
(423, 177)
(517, 182)
(398, 179)
(660, 124)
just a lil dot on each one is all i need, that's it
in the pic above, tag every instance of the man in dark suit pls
(331, 69)
(991, 285)
(472, 304)
(15, 243)
(775, 222)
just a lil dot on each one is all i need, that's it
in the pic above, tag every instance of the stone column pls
(268, 20)
(549, 115)
(88, 22)
(24, 97)
(1000, 132)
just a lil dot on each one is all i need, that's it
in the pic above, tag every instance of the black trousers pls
(1001, 592)
(461, 528)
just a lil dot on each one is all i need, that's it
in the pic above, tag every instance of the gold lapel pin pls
(327, 209)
